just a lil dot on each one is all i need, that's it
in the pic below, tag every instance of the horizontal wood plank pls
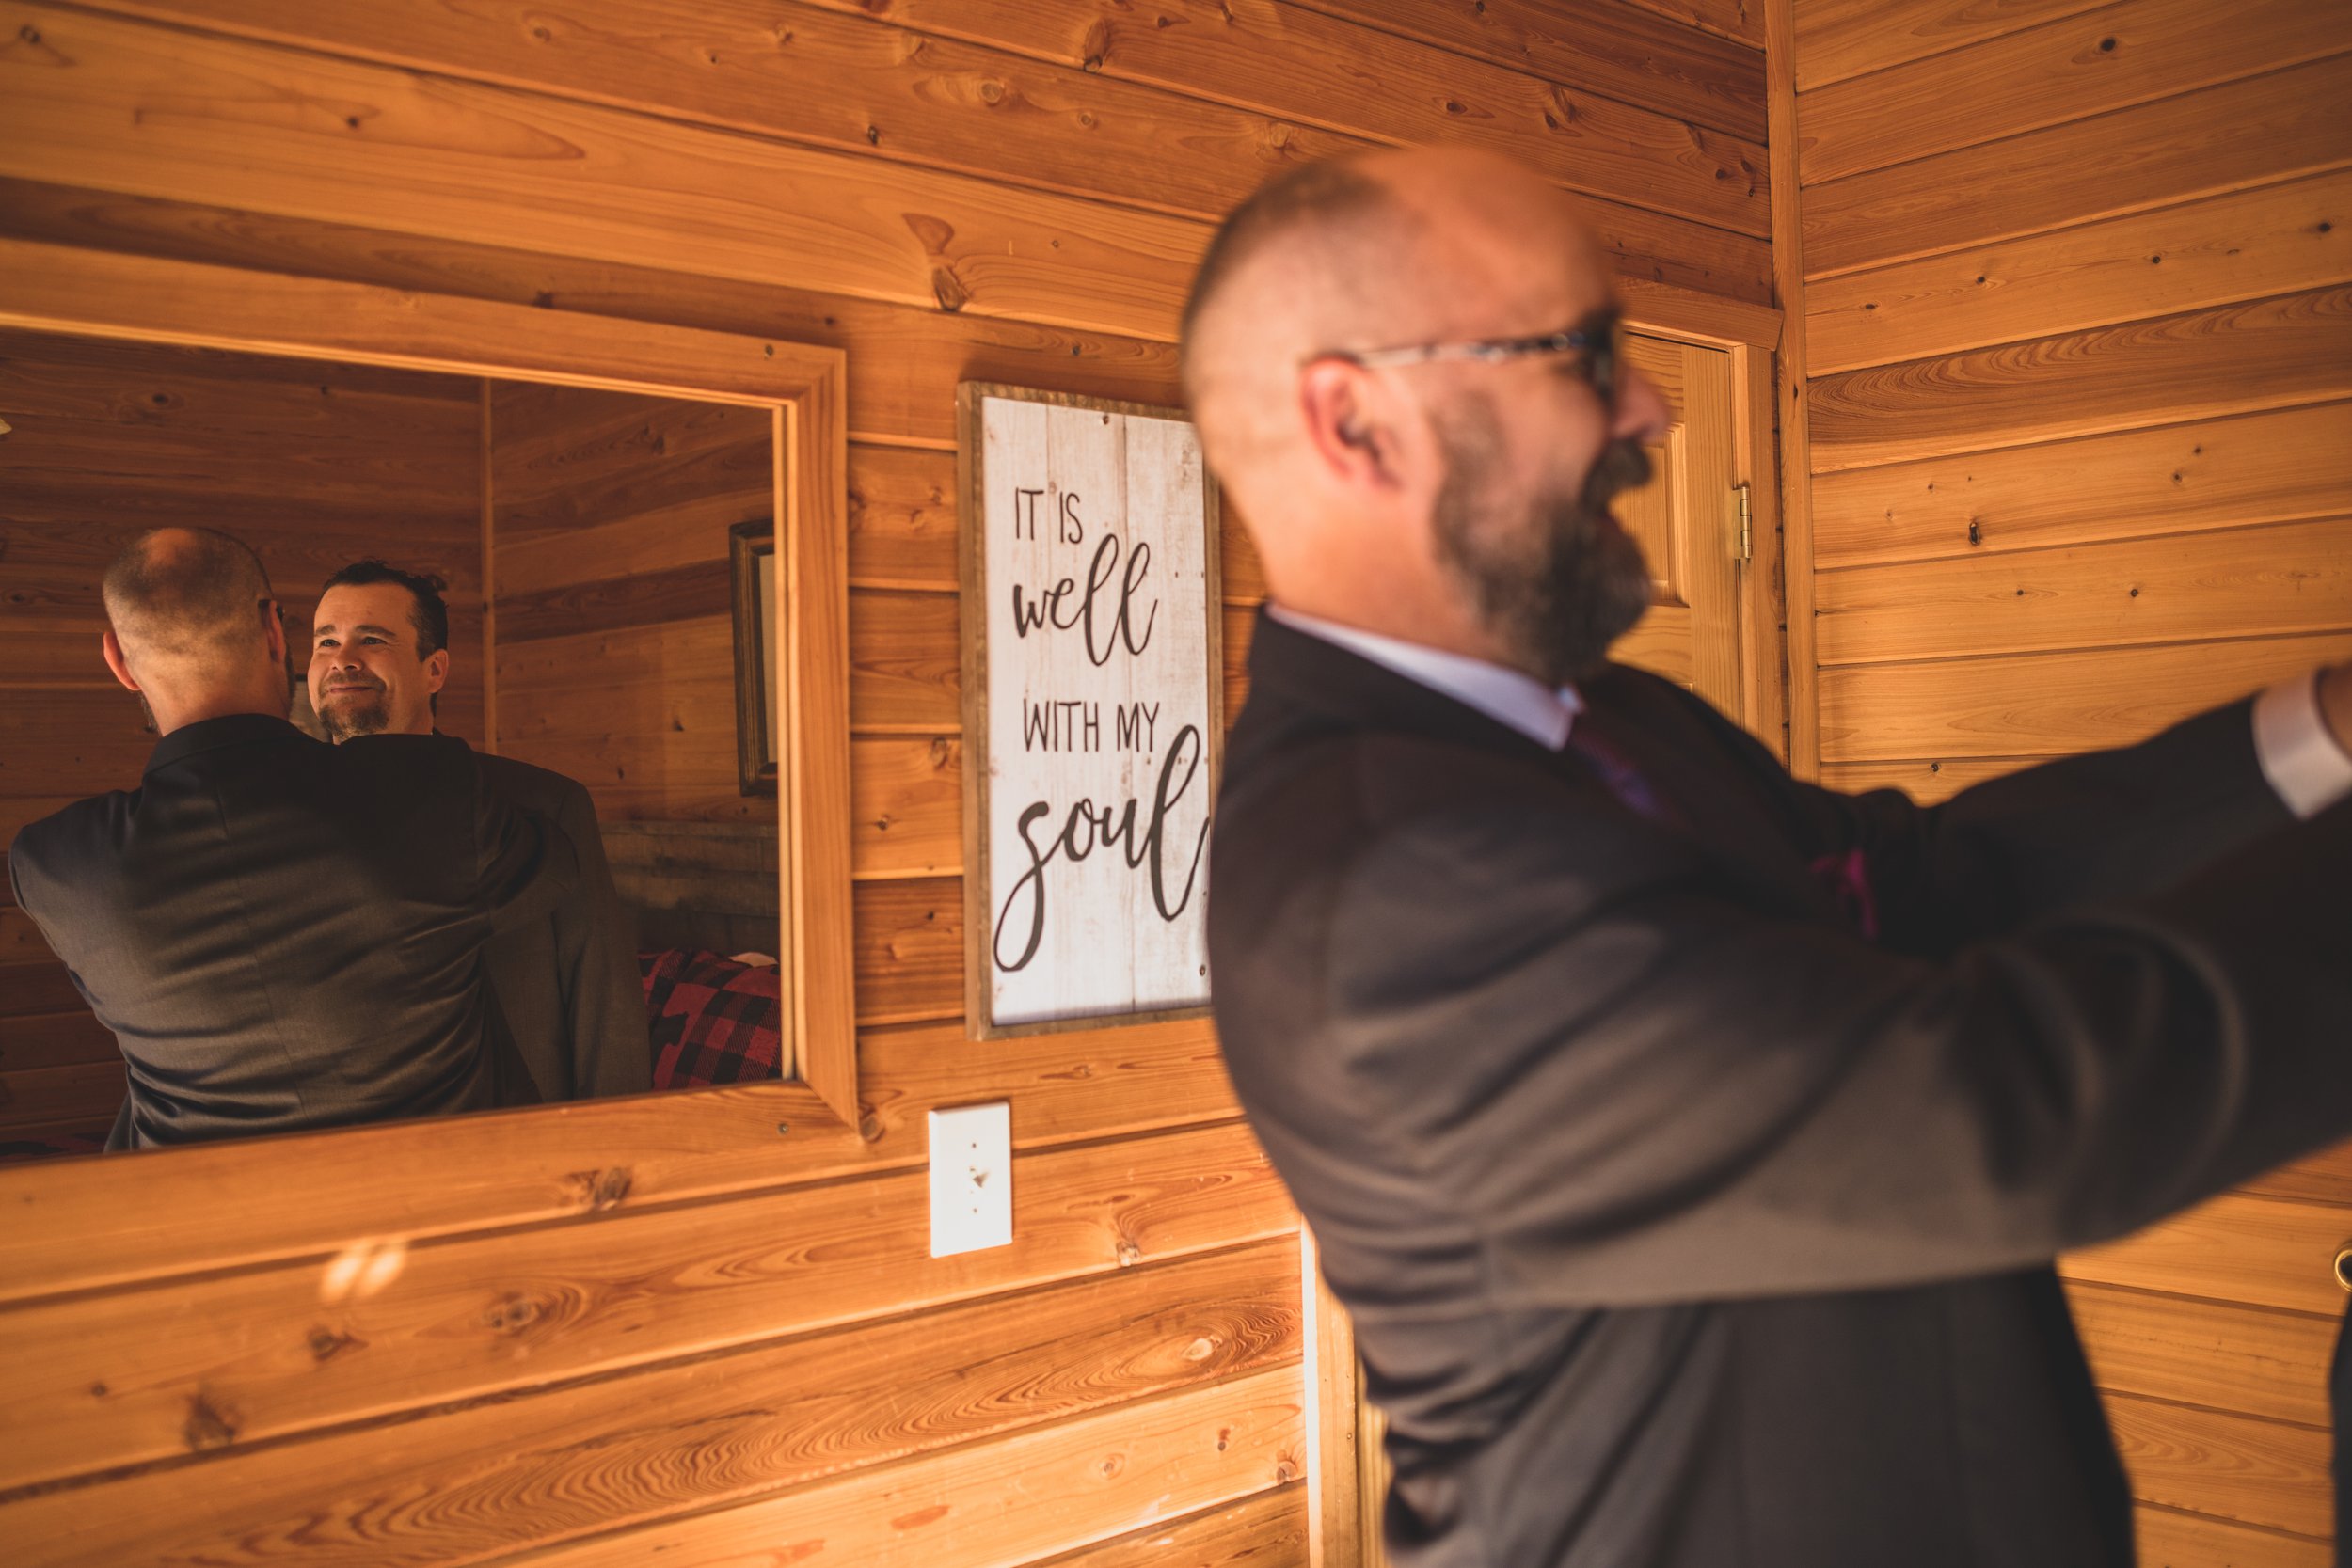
(832, 81)
(2325, 1177)
(902, 518)
(909, 358)
(85, 1092)
(977, 1507)
(2272, 240)
(34, 988)
(208, 1206)
(508, 1475)
(1740, 21)
(2264, 1251)
(2287, 577)
(2272, 467)
(910, 950)
(695, 592)
(906, 799)
(2239, 1467)
(1278, 58)
(2266, 354)
(2047, 703)
(1264, 1530)
(147, 111)
(905, 663)
(2064, 69)
(113, 1380)
(69, 1038)
(2246, 1359)
(1837, 38)
(2220, 138)
(1616, 51)
(2170, 1538)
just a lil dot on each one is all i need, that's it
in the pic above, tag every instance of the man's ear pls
(274, 629)
(435, 671)
(1350, 423)
(111, 646)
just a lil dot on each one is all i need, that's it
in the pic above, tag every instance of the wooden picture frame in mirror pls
(754, 590)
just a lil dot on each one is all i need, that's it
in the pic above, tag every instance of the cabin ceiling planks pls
(615, 169)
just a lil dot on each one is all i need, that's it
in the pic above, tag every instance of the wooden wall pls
(2079, 367)
(610, 515)
(312, 464)
(1012, 190)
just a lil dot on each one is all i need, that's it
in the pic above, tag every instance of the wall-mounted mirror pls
(580, 496)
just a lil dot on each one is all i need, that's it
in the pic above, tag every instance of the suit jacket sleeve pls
(525, 863)
(1591, 1081)
(2106, 825)
(604, 997)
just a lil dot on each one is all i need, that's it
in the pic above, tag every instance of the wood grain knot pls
(510, 1314)
(209, 1425)
(594, 1190)
(326, 1343)
(920, 1517)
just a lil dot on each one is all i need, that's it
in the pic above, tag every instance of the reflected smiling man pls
(1691, 1144)
(567, 985)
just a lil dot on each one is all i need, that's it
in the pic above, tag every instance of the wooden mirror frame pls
(85, 1222)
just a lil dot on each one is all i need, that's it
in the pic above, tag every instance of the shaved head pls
(185, 594)
(1456, 501)
(192, 627)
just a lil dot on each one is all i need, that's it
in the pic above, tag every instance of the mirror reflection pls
(374, 745)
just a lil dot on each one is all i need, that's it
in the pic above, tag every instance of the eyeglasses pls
(1598, 338)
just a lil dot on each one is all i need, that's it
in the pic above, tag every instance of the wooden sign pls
(1092, 724)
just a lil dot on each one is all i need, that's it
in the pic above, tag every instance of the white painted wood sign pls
(1091, 709)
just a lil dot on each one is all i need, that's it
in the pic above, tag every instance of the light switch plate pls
(971, 1179)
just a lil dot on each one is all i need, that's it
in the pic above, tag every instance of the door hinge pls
(1743, 524)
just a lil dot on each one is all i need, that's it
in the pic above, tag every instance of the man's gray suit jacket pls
(285, 935)
(567, 985)
(1683, 1224)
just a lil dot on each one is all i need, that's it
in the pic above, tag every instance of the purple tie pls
(1845, 876)
(1620, 772)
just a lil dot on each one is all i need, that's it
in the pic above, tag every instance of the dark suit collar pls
(207, 734)
(1303, 671)
(1305, 675)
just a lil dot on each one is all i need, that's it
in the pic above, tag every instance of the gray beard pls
(1555, 595)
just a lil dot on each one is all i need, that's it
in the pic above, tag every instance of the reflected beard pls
(1556, 583)
(355, 714)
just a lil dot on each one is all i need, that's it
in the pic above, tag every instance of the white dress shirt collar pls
(1509, 697)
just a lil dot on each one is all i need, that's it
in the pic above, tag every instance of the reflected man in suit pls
(281, 935)
(1690, 1144)
(567, 985)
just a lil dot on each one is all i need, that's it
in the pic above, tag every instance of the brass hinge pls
(1744, 525)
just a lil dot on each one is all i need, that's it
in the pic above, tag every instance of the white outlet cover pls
(971, 1179)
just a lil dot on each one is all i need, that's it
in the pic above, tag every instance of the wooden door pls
(1686, 518)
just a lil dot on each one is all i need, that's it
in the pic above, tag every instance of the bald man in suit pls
(1690, 1144)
